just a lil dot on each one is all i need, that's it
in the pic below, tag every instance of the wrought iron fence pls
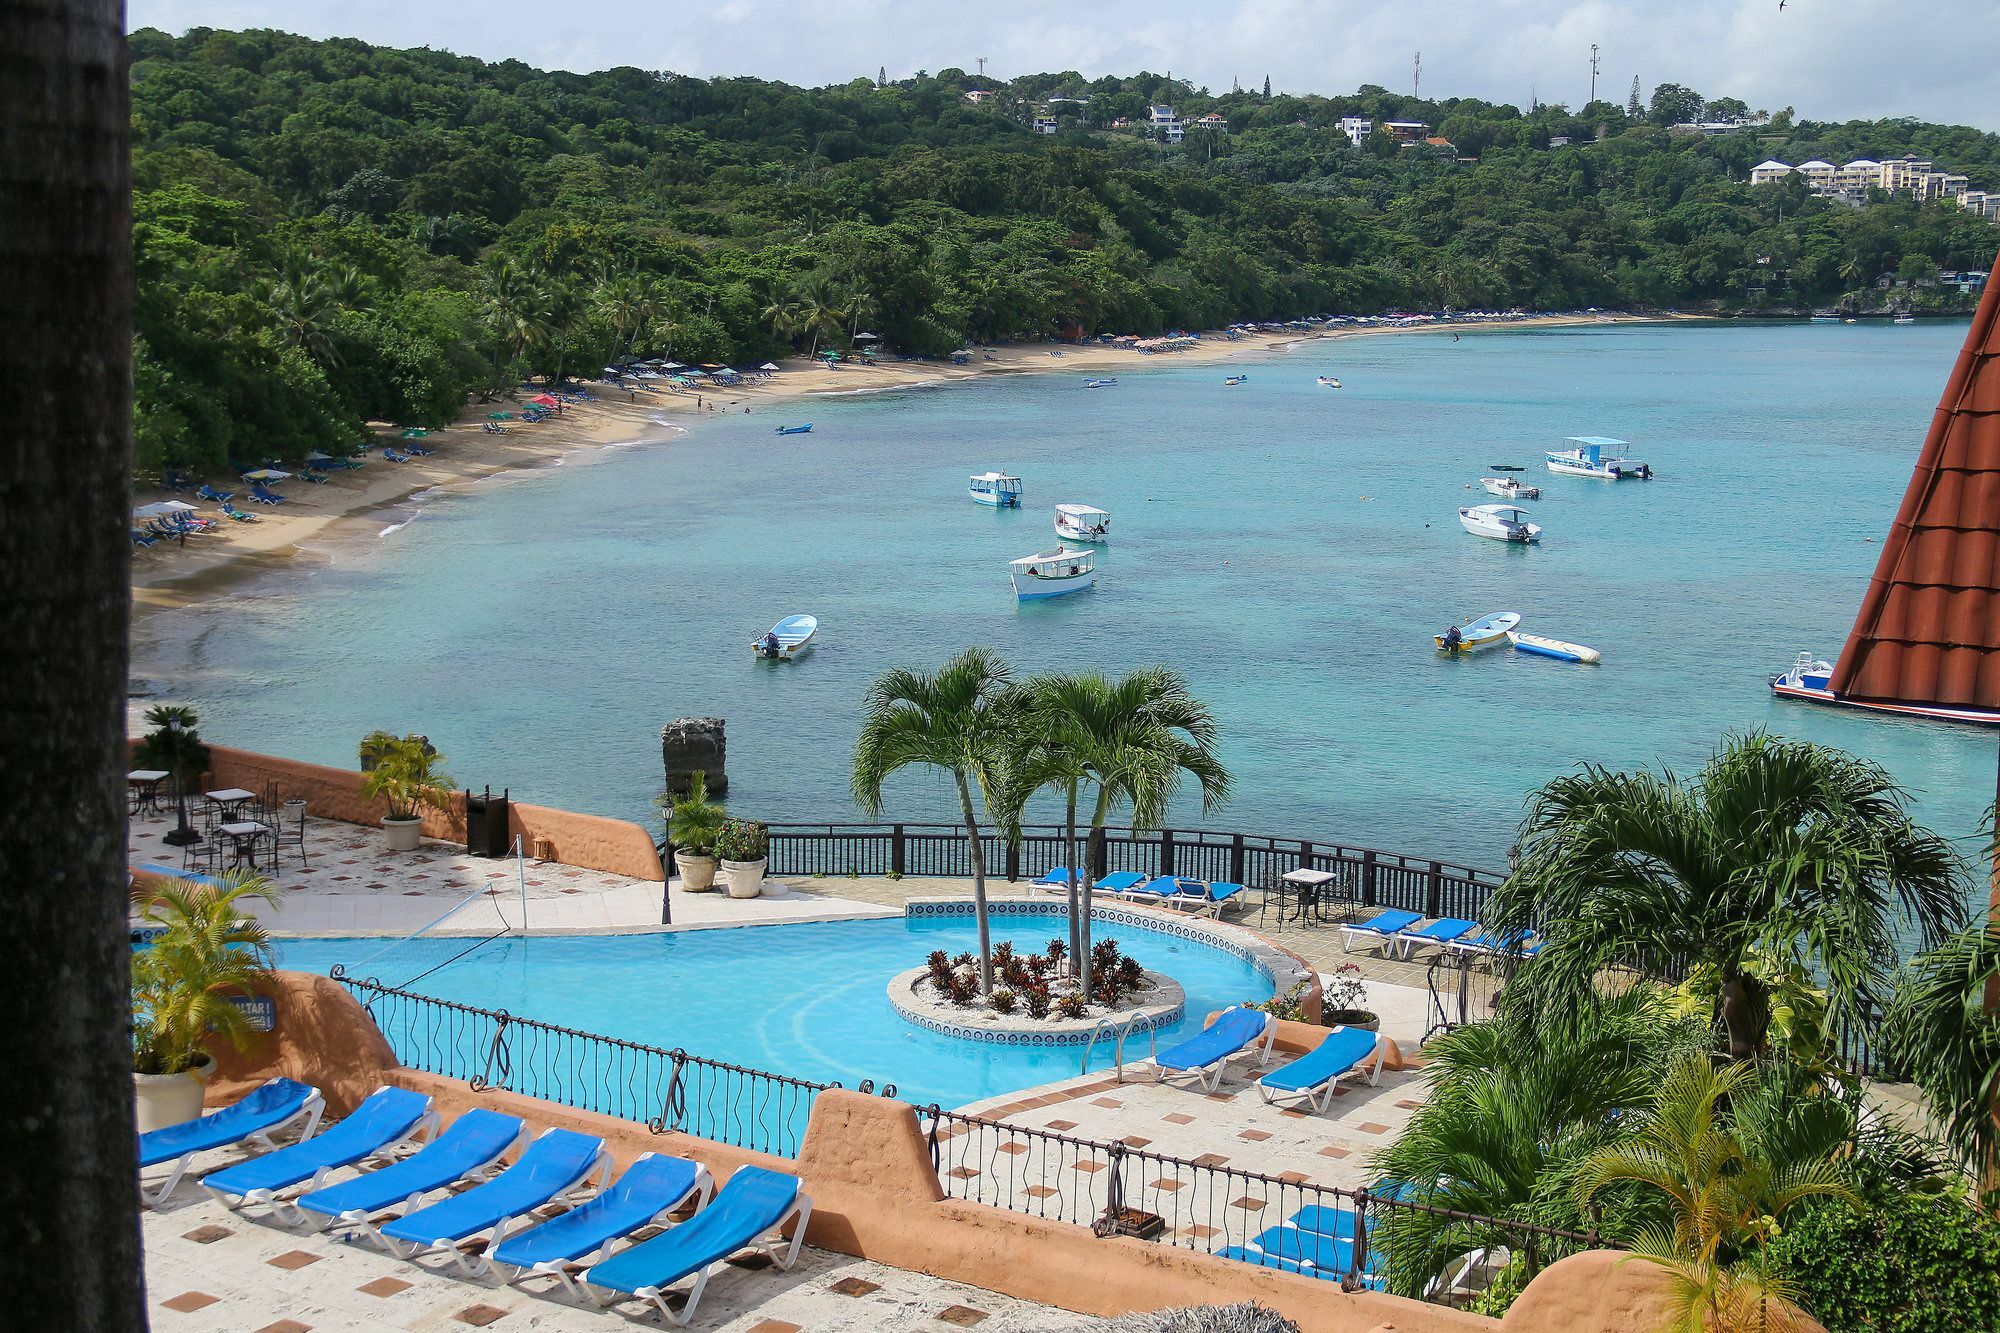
(664, 1089)
(1271, 1221)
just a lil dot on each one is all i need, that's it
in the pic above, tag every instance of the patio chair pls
(1381, 929)
(1313, 1077)
(652, 1187)
(754, 1203)
(1204, 1055)
(556, 1163)
(264, 1111)
(467, 1149)
(390, 1118)
(1439, 933)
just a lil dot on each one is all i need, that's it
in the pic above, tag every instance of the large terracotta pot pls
(402, 834)
(1352, 1018)
(171, 1099)
(744, 878)
(697, 872)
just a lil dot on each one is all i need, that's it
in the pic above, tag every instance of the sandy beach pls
(348, 506)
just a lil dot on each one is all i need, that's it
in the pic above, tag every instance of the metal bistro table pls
(230, 801)
(243, 838)
(144, 786)
(1301, 891)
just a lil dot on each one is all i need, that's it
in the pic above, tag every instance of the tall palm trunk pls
(1746, 1013)
(1077, 897)
(1099, 813)
(69, 1198)
(976, 852)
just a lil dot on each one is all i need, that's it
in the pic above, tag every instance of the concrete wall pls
(867, 1166)
(591, 842)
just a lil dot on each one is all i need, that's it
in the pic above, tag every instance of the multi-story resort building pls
(1851, 183)
(1406, 131)
(1164, 121)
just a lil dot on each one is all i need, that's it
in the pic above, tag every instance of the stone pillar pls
(695, 745)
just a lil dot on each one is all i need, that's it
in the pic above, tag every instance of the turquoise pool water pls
(809, 1001)
(1290, 548)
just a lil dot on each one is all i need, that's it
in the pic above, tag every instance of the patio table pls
(144, 786)
(231, 800)
(1305, 890)
(243, 839)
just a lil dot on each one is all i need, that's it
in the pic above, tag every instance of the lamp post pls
(181, 835)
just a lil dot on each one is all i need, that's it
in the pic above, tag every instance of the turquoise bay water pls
(824, 1016)
(1290, 548)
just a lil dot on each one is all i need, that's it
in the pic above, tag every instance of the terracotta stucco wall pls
(611, 845)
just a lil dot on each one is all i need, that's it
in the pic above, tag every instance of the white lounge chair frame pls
(1209, 1076)
(1319, 1096)
(782, 1253)
(559, 1269)
(312, 1109)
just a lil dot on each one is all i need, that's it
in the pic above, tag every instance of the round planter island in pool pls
(1161, 1002)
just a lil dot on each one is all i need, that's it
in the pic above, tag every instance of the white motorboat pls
(1510, 488)
(1054, 573)
(1537, 646)
(1328, 382)
(1506, 523)
(787, 639)
(996, 489)
(1591, 459)
(1100, 384)
(1081, 523)
(1488, 631)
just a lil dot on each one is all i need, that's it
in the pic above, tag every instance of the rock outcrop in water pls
(693, 745)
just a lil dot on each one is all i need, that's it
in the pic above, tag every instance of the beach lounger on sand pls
(1440, 932)
(652, 1187)
(264, 1112)
(389, 1118)
(1379, 929)
(1313, 1076)
(551, 1166)
(1204, 1055)
(466, 1149)
(753, 1203)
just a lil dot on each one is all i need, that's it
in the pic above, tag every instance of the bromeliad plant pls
(405, 772)
(742, 840)
(206, 952)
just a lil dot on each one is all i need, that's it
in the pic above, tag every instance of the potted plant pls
(693, 822)
(1343, 1001)
(742, 845)
(206, 952)
(174, 747)
(406, 773)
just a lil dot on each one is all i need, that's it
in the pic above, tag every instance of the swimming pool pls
(809, 1001)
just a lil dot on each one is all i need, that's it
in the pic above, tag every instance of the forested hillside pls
(329, 232)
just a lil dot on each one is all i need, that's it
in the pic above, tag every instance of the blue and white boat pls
(795, 430)
(1056, 573)
(1811, 679)
(1487, 631)
(1099, 384)
(1595, 456)
(1234, 380)
(1537, 646)
(996, 489)
(1082, 523)
(787, 639)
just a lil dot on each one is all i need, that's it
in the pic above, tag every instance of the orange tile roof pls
(1929, 627)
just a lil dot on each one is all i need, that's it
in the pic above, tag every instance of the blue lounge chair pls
(1122, 881)
(466, 1150)
(1188, 895)
(551, 1166)
(1381, 928)
(651, 1187)
(265, 1111)
(207, 492)
(1205, 1054)
(1313, 1076)
(389, 1118)
(240, 515)
(1439, 932)
(753, 1203)
(1058, 878)
(144, 538)
(1324, 1221)
(176, 481)
(1522, 942)
(263, 494)
(394, 457)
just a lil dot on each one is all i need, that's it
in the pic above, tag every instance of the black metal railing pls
(1271, 1221)
(664, 1089)
(1374, 878)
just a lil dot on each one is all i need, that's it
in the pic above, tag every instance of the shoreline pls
(351, 506)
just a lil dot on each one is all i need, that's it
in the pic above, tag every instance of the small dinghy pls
(1234, 380)
(787, 639)
(1099, 384)
(1328, 382)
(795, 430)
(1556, 648)
(1510, 488)
(1503, 523)
(1474, 635)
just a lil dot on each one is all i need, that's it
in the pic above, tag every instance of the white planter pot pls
(697, 872)
(403, 834)
(170, 1099)
(744, 878)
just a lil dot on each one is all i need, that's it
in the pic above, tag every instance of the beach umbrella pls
(868, 337)
(670, 365)
(319, 456)
(415, 433)
(161, 508)
(542, 398)
(266, 474)
(768, 365)
(500, 416)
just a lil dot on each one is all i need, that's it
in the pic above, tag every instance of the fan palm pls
(206, 952)
(1779, 850)
(1942, 1028)
(962, 719)
(1724, 1190)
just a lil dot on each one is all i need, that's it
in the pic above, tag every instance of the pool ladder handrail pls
(1122, 1029)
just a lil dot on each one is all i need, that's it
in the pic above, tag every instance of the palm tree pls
(1134, 740)
(1779, 850)
(66, 267)
(962, 719)
(206, 952)
(629, 305)
(1724, 1192)
(1044, 756)
(820, 312)
(304, 301)
(1943, 1030)
(514, 309)
(787, 316)
(860, 305)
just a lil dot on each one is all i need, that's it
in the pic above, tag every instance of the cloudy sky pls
(1830, 59)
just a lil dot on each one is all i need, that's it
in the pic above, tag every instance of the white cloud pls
(1831, 59)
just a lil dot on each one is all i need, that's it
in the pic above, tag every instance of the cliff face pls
(693, 745)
